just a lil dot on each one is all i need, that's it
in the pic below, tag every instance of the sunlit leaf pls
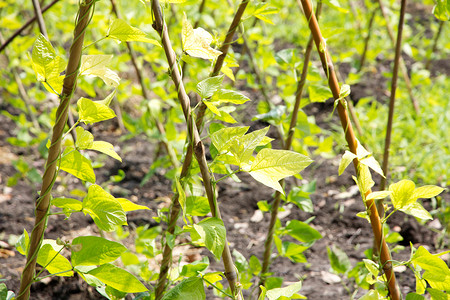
(402, 193)
(212, 233)
(106, 148)
(84, 140)
(209, 86)
(76, 164)
(118, 278)
(196, 41)
(120, 30)
(347, 158)
(378, 195)
(96, 65)
(417, 210)
(270, 166)
(427, 191)
(288, 291)
(50, 258)
(127, 205)
(95, 250)
(92, 111)
(190, 288)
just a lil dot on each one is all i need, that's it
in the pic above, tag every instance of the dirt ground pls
(336, 202)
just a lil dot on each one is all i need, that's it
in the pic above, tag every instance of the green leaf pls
(436, 270)
(270, 166)
(190, 288)
(43, 52)
(300, 196)
(181, 197)
(255, 265)
(191, 270)
(50, 258)
(212, 107)
(67, 204)
(262, 296)
(209, 86)
(292, 251)
(288, 291)
(242, 148)
(414, 296)
(442, 10)
(92, 111)
(95, 251)
(366, 158)
(123, 32)
(118, 278)
(345, 91)
(372, 295)
(378, 195)
(85, 139)
(127, 205)
(95, 65)
(427, 191)
(437, 294)
(108, 99)
(222, 138)
(196, 41)
(372, 267)
(302, 231)
(338, 259)
(275, 114)
(364, 181)
(347, 158)
(230, 96)
(335, 4)
(106, 148)
(23, 242)
(402, 193)
(212, 232)
(76, 164)
(417, 210)
(104, 209)
(197, 206)
(319, 93)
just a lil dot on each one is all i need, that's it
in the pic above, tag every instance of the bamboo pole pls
(198, 148)
(375, 222)
(43, 202)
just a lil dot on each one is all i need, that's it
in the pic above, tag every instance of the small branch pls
(39, 18)
(28, 23)
(366, 40)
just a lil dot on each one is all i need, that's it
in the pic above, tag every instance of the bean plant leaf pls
(364, 180)
(190, 270)
(197, 206)
(213, 234)
(302, 231)
(271, 165)
(93, 111)
(95, 251)
(190, 288)
(23, 242)
(222, 138)
(402, 193)
(68, 205)
(118, 278)
(50, 258)
(85, 139)
(347, 158)
(442, 10)
(366, 158)
(212, 107)
(231, 96)
(76, 164)
(263, 10)
(43, 52)
(196, 41)
(127, 205)
(96, 65)
(378, 195)
(242, 148)
(288, 291)
(427, 191)
(319, 93)
(121, 31)
(181, 197)
(106, 148)
(417, 210)
(104, 209)
(338, 259)
(436, 270)
(209, 86)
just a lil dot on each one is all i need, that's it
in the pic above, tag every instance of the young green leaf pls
(127, 205)
(23, 242)
(118, 278)
(209, 86)
(92, 111)
(242, 148)
(345, 91)
(288, 291)
(378, 195)
(270, 166)
(95, 251)
(104, 209)
(372, 267)
(192, 269)
(190, 288)
(347, 158)
(302, 231)
(338, 259)
(68, 205)
(212, 107)
(106, 148)
(364, 180)
(263, 10)
(417, 210)
(222, 138)
(43, 52)
(121, 31)
(402, 193)
(181, 197)
(230, 96)
(319, 93)
(197, 206)
(95, 65)
(76, 164)
(50, 258)
(427, 191)
(84, 140)
(196, 41)
(436, 270)
(366, 158)
(212, 232)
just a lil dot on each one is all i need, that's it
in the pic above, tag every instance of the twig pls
(28, 23)
(54, 152)
(375, 222)
(40, 18)
(366, 40)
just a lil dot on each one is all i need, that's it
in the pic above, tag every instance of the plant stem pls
(160, 26)
(375, 222)
(28, 23)
(387, 142)
(43, 202)
(366, 40)
(287, 146)
(146, 94)
(39, 18)
(402, 62)
(435, 44)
